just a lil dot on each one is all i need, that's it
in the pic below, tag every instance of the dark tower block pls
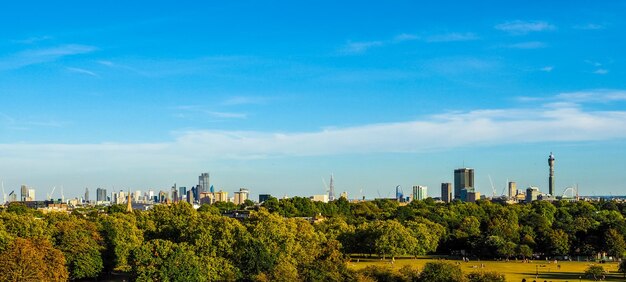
(551, 179)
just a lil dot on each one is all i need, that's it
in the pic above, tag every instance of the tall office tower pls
(331, 189)
(463, 179)
(419, 192)
(551, 179)
(182, 192)
(512, 189)
(446, 192)
(203, 182)
(86, 194)
(101, 195)
(31, 195)
(241, 196)
(197, 191)
(23, 193)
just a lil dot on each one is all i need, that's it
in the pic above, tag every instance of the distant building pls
(31, 195)
(264, 197)
(101, 195)
(551, 177)
(241, 196)
(86, 195)
(320, 198)
(446, 192)
(532, 193)
(221, 196)
(512, 189)
(344, 195)
(420, 192)
(24, 193)
(182, 192)
(472, 196)
(463, 179)
(203, 182)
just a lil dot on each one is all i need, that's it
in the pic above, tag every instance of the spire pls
(129, 207)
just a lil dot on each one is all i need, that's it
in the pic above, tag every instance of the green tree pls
(393, 239)
(162, 260)
(614, 243)
(441, 272)
(81, 244)
(121, 235)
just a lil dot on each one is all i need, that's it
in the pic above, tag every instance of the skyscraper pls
(551, 178)
(463, 179)
(101, 195)
(512, 189)
(241, 196)
(446, 192)
(86, 194)
(24, 193)
(420, 192)
(203, 182)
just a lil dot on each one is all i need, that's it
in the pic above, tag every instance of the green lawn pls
(514, 270)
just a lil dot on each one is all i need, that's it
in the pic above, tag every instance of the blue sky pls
(274, 96)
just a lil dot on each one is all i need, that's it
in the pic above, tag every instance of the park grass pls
(513, 270)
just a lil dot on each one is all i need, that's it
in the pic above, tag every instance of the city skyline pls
(274, 98)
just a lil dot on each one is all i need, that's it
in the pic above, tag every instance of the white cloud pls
(589, 26)
(596, 95)
(527, 45)
(38, 56)
(32, 40)
(360, 47)
(523, 27)
(82, 71)
(601, 71)
(405, 37)
(452, 37)
(245, 100)
(547, 69)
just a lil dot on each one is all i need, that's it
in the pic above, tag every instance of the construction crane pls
(50, 195)
(493, 188)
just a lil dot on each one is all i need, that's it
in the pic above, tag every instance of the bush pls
(486, 277)
(595, 271)
(441, 272)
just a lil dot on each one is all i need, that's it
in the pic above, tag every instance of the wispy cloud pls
(199, 111)
(527, 45)
(523, 27)
(595, 95)
(360, 47)
(44, 55)
(452, 37)
(589, 26)
(245, 100)
(12, 123)
(405, 37)
(32, 40)
(601, 71)
(82, 71)
(547, 69)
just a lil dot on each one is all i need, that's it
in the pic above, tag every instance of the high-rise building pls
(31, 195)
(86, 195)
(203, 182)
(182, 192)
(472, 196)
(446, 192)
(463, 179)
(512, 189)
(551, 178)
(101, 195)
(241, 196)
(23, 193)
(221, 196)
(532, 193)
(419, 192)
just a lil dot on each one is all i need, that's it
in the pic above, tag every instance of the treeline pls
(178, 243)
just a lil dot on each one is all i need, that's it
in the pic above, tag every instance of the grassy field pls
(514, 271)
